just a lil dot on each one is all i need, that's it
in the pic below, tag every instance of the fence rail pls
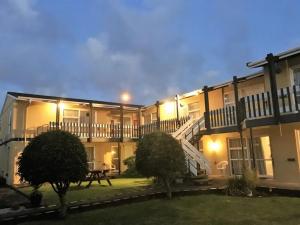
(223, 117)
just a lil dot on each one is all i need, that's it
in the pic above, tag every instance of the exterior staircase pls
(187, 134)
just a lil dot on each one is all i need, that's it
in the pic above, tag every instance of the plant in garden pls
(243, 185)
(131, 168)
(57, 157)
(160, 155)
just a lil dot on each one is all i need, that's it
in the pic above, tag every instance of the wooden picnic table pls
(96, 175)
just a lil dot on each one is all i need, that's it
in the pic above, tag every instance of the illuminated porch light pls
(61, 106)
(214, 146)
(169, 107)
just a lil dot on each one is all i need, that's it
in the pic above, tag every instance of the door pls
(90, 153)
(115, 164)
(262, 154)
(263, 157)
(236, 155)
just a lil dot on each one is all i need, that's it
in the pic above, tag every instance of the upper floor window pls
(228, 99)
(153, 117)
(71, 116)
(296, 73)
(194, 110)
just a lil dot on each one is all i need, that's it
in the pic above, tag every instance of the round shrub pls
(160, 155)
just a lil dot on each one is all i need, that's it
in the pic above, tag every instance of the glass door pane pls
(263, 157)
(236, 155)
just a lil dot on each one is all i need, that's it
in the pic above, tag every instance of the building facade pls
(253, 120)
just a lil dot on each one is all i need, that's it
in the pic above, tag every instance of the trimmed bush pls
(56, 157)
(160, 155)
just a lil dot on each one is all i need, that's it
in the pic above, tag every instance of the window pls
(71, 116)
(90, 153)
(153, 117)
(194, 110)
(296, 74)
(228, 99)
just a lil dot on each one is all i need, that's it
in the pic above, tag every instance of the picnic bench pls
(96, 175)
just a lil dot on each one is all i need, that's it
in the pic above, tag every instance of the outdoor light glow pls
(214, 146)
(61, 106)
(169, 107)
(125, 97)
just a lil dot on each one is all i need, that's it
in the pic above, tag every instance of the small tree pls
(160, 155)
(57, 157)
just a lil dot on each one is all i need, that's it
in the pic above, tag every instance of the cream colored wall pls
(216, 99)
(40, 113)
(221, 154)
(8, 108)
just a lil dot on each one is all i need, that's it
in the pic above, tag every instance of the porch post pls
(252, 149)
(272, 73)
(119, 156)
(243, 152)
(121, 123)
(90, 122)
(157, 115)
(57, 115)
(206, 113)
(177, 110)
(237, 105)
(139, 123)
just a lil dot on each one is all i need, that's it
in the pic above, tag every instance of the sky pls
(153, 49)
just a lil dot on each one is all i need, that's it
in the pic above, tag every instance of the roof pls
(78, 100)
(282, 55)
(199, 91)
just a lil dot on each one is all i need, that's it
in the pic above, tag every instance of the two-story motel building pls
(255, 118)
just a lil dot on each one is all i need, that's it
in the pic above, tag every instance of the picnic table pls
(96, 175)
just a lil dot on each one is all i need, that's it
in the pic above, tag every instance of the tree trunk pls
(63, 207)
(168, 187)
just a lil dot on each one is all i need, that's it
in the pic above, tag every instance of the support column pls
(206, 113)
(57, 115)
(157, 115)
(237, 105)
(121, 123)
(243, 151)
(252, 149)
(139, 123)
(90, 123)
(177, 111)
(272, 60)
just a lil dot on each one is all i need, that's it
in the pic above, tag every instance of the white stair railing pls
(184, 134)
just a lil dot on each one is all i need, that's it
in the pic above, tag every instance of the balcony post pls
(57, 115)
(139, 123)
(272, 60)
(157, 115)
(236, 99)
(121, 123)
(90, 122)
(177, 111)
(206, 113)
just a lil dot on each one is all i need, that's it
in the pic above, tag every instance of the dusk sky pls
(153, 48)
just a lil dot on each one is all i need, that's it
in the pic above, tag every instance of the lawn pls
(121, 186)
(192, 210)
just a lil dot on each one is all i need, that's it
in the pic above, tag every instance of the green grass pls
(193, 210)
(122, 186)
